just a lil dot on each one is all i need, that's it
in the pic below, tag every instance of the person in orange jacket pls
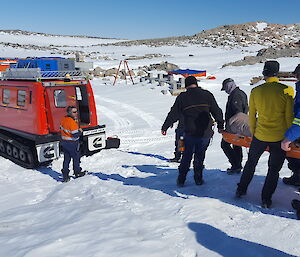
(70, 134)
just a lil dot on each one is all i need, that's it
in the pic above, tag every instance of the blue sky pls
(135, 19)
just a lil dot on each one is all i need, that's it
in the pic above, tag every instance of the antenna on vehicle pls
(125, 67)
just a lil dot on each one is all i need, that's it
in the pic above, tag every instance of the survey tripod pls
(126, 67)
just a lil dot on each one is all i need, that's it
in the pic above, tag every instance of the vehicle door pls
(57, 99)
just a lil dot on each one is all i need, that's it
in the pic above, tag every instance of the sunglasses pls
(75, 112)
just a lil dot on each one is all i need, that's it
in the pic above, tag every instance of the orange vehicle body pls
(38, 114)
(30, 115)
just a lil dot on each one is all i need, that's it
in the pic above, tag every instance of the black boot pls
(239, 192)
(79, 174)
(293, 180)
(176, 158)
(234, 170)
(198, 178)
(266, 203)
(180, 180)
(66, 177)
(296, 205)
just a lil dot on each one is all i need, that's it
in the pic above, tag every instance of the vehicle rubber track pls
(19, 152)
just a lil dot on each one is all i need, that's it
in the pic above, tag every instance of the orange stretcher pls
(245, 141)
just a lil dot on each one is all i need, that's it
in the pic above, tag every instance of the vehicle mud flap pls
(112, 142)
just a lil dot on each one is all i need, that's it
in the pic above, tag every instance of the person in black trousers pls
(270, 115)
(196, 105)
(293, 135)
(237, 102)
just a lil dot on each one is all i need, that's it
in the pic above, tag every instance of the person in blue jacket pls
(292, 135)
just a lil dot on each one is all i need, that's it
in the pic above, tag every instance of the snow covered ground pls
(129, 204)
(46, 40)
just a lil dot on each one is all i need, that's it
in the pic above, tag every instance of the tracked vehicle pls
(33, 99)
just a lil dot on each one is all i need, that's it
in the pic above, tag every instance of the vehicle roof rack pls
(38, 75)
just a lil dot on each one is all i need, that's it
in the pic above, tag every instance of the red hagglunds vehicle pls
(32, 104)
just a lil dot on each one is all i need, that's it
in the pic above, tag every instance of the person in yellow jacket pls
(70, 133)
(270, 115)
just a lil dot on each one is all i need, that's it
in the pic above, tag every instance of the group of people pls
(273, 122)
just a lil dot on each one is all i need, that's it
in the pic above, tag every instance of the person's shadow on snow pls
(227, 246)
(159, 178)
(50, 172)
(217, 185)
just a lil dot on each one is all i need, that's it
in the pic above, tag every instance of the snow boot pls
(234, 170)
(180, 180)
(198, 178)
(66, 177)
(292, 180)
(296, 205)
(175, 159)
(239, 193)
(266, 203)
(198, 181)
(80, 174)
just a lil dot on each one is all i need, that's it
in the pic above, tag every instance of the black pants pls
(234, 154)
(275, 162)
(194, 146)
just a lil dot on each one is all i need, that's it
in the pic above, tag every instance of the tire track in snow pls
(131, 131)
(122, 126)
(148, 118)
(143, 139)
(119, 122)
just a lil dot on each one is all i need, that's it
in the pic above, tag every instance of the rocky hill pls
(277, 41)
(264, 54)
(239, 35)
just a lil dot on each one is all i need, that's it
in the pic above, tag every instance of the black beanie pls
(271, 69)
(190, 80)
